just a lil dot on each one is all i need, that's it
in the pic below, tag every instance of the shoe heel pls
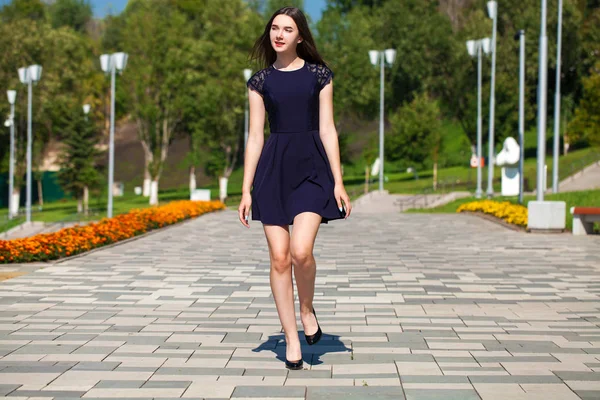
(294, 365)
(313, 339)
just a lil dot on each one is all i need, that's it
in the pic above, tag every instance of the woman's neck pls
(285, 61)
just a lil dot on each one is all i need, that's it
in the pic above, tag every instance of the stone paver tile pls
(354, 393)
(443, 394)
(269, 392)
(493, 391)
(209, 390)
(418, 368)
(133, 393)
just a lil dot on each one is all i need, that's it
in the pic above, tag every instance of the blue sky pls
(103, 7)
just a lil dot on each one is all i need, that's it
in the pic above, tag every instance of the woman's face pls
(284, 34)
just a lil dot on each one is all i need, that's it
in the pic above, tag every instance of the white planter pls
(546, 215)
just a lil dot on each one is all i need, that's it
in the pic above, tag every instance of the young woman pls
(295, 175)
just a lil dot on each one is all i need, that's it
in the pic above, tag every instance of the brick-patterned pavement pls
(412, 306)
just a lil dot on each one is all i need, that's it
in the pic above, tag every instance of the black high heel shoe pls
(293, 364)
(313, 339)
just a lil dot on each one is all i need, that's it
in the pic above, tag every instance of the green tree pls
(414, 137)
(214, 114)
(273, 5)
(69, 74)
(24, 9)
(72, 13)
(78, 161)
(586, 124)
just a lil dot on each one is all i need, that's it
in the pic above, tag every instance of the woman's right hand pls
(244, 209)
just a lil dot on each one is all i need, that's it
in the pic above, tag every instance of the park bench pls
(584, 218)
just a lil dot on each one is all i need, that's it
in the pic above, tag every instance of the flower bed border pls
(496, 220)
(153, 225)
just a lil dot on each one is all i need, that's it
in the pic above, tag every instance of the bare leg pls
(304, 232)
(278, 239)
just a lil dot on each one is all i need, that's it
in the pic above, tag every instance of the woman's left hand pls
(340, 195)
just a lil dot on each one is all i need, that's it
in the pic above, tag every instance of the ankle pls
(306, 311)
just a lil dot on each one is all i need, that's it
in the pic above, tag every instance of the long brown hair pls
(307, 50)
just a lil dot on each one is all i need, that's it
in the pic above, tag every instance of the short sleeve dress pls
(293, 174)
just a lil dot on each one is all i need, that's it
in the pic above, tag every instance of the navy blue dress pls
(293, 174)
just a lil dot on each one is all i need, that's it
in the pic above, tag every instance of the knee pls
(301, 257)
(281, 261)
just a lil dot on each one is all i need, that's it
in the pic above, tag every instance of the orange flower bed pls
(78, 239)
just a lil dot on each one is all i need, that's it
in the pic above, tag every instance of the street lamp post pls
(384, 56)
(111, 63)
(493, 13)
(557, 102)
(542, 86)
(12, 96)
(247, 76)
(28, 76)
(521, 37)
(86, 189)
(474, 47)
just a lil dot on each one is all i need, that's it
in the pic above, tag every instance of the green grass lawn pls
(450, 179)
(465, 178)
(589, 198)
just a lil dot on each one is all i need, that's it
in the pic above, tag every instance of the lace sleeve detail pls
(257, 81)
(323, 73)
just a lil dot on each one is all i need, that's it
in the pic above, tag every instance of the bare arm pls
(256, 138)
(329, 137)
(254, 147)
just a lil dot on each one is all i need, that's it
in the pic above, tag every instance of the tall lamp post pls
(557, 102)
(383, 56)
(12, 96)
(521, 37)
(247, 76)
(492, 7)
(86, 190)
(542, 87)
(28, 76)
(111, 63)
(475, 47)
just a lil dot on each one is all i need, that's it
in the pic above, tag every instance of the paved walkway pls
(586, 179)
(383, 202)
(413, 306)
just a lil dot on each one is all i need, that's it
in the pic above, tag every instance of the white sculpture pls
(508, 159)
(375, 167)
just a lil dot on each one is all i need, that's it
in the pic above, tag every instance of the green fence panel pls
(50, 187)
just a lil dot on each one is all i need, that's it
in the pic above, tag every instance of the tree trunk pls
(86, 200)
(192, 178)
(366, 179)
(40, 193)
(79, 204)
(147, 180)
(154, 192)
(223, 181)
(15, 201)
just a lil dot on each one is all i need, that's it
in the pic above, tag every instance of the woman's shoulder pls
(322, 72)
(318, 68)
(257, 80)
